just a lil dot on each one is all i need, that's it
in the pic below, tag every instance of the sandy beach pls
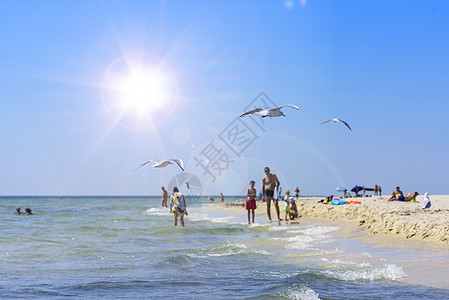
(404, 220)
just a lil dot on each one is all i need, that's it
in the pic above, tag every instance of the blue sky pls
(380, 65)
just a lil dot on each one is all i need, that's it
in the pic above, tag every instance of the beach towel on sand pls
(339, 202)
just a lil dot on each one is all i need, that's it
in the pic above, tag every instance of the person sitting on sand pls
(293, 209)
(28, 212)
(251, 199)
(397, 195)
(328, 199)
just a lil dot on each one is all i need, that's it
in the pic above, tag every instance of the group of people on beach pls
(398, 195)
(270, 183)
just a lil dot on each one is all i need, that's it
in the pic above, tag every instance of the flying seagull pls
(337, 121)
(268, 112)
(164, 163)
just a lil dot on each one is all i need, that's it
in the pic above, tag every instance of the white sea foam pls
(391, 272)
(338, 263)
(157, 211)
(304, 293)
(303, 239)
(228, 249)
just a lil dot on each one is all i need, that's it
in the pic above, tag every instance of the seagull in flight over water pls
(268, 112)
(163, 163)
(337, 121)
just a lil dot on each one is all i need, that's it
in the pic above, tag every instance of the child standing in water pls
(287, 205)
(251, 200)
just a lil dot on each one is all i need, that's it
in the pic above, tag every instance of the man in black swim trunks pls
(269, 183)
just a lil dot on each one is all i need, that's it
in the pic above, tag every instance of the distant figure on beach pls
(251, 200)
(287, 205)
(222, 197)
(18, 212)
(397, 195)
(269, 183)
(379, 189)
(28, 212)
(347, 194)
(297, 192)
(211, 199)
(164, 197)
(363, 191)
(426, 203)
(178, 206)
(376, 190)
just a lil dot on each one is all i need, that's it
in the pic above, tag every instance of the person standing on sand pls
(164, 197)
(222, 197)
(297, 193)
(376, 190)
(379, 189)
(251, 199)
(178, 206)
(269, 183)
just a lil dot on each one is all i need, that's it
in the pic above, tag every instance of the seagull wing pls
(252, 112)
(152, 160)
(290, 105)
(346, 124)
(161, 163)
(179, 162)
(327, 121)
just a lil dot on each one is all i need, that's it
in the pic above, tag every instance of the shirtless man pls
(397, 195)
(269, 183)
(164, 197)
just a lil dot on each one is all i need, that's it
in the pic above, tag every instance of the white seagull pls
(338, 121)
(268, 112)
(163, 163)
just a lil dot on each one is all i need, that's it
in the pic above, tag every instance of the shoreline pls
(403, 223)
(375, 226)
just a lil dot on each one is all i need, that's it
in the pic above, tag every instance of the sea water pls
(127, 247)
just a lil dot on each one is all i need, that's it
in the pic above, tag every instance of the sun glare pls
(143, 91)
(139, 91)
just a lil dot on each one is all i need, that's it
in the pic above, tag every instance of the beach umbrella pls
(357, 189)
(340, 189)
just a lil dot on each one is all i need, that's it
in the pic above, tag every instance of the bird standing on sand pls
(164, 163)
(337, 121)
(269, 112)
(426, 203)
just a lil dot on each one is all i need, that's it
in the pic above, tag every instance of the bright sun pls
(143, 91)
(139, 91)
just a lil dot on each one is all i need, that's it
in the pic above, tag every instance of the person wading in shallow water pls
(269, 183)
(178, 206)
(164, 197)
